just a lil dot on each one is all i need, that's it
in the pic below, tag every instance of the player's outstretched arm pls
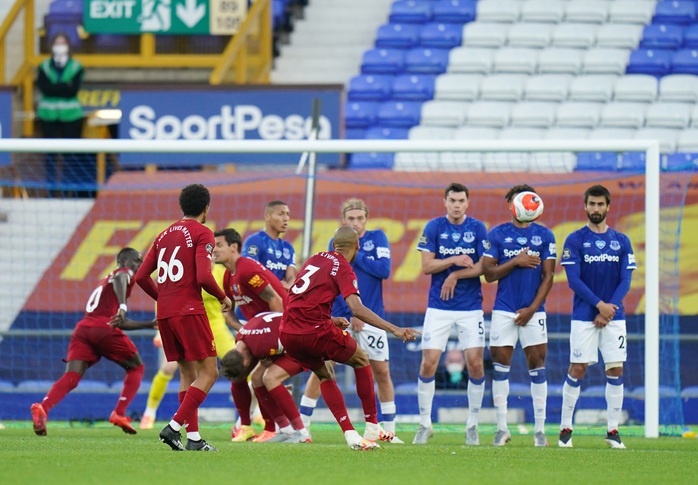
(119, 321)
(361, 312)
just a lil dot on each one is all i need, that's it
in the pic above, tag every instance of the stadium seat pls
(552, 162)
(410, 12)
(454, 11)
(112, 43)
(399, 114)
(567, 134)
(505, 11)
(669, 115)
(91, 385)
(476, 133)
(675, 12)
(612, 134)
(690, 37)
(444, 113)
(694, 117)
(364, 161)
(533, 114)
(457, 87)
(354, 133)
(515, 60)
(560, 61)
(431, 133)
(605, 161)
(413, 87)
(370, 87)
(506, 162)
(514, 133)
(596, 88)
(682, 161)
(383, 61)
(503, 87)
(587, 11)
(490, 114)
(547, 87)
(397, 36)
(360, 114)
(605, 61)
(619, 36)
(441, 35)
(460, 162)
(631, 11)
(534, 35)
(383, 133)
(574, 114)
(6, 386)
(577, 36)
(667, 137)
(551, 11)
(623, 115)
(662, 36)
(41, 386)
(654, 62)
(470, 60)
(640, 88)
(426, 60)
(679, 87)
(485, 34)
(633, 162)
(685, 61)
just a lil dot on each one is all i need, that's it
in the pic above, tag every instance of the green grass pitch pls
(103, 454)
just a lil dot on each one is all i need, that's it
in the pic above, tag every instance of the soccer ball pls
(527, 206)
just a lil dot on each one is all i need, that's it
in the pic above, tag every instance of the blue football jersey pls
(275, 254)
(602, 259)
(372, 266)
(518, 289)
(445, 240)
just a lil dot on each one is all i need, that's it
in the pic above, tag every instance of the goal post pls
(652, 184)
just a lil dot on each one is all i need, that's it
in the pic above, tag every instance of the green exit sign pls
(216, 17)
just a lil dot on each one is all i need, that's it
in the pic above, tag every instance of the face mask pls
(60, 50)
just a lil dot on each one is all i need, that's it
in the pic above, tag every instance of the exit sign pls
(203, 17)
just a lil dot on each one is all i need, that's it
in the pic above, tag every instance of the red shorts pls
(187, 337)
(289, 364)
(89, 344)
(313, 349)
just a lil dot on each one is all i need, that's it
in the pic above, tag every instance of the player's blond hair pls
(354, 204)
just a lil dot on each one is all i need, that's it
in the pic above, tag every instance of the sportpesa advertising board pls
(241, 114)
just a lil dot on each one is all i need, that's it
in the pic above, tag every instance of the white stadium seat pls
(476, 133)
(679, 87)
(460, 162)
(596, 88)
(513, 133)
(669, 115)
(506, 11)
(579, 115)
(534, 35)
(577, 36)
(631, 11)
(515, 60)
(552, 162)
(431, 133)
(591, 11)
(547, 87)
(551, 11)
(567, 134)
(457, 87)
(621, 36)
(533, 114)
(506, 162)
(555, 60)
(470, 60)
(623, 115)
(605, 61)
(694, 117)
(503, 87)
(641, 88)
(688, 141)
(444, 113)
(490, 114)
(612, 134)
(485, 34)
(667, 137)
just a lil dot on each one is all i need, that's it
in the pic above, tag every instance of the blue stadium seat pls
(6, 386)
(676, 162)
(633, 162)
(426, 60)
(410, 12)
(385, 133)
(690, 37)
(685, 61)
(398, 36)
(383, 61)
(655, 62)
(399, 114)
(370, 87)
(355, 134)
(455, 11)
(361, 161)
(414, 87)
(441, 35)
(278, 14)
(675, 12)
(597, 161)
(662, 36)
(360, 114)
(66, 6)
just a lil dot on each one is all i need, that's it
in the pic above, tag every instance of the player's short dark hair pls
(274, 203)
(597, 191)
(517, 189)
(233, 365)
(123, 254)
(231, 236)
(456, 187)
(193, 199)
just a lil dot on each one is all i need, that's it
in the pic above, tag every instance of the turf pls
(102, 454)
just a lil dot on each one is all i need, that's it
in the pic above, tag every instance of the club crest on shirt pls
(235, 289)
(277, 253)
(615, 245)
(566, 253)
(536, 240)
(287, 253)
(455, 236)
(209, 248)
(600, 244)
(468, 237)
(521, 240)
(368, 246)
(252, 250)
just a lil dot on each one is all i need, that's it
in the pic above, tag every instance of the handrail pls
(17, 7)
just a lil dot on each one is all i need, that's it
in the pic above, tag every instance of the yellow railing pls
(246, 59)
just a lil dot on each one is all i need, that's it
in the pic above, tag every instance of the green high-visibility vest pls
(60, 109)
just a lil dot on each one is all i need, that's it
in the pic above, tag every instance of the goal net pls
(57, 243)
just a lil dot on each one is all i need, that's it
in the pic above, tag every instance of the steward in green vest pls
(59, 86)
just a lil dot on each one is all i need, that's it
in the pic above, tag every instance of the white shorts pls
(470, 326)
(374, 341)
(586, 341)
(505, 333)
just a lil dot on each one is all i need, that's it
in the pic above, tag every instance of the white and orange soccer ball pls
(527, 206)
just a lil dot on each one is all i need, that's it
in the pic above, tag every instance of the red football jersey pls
(261, 335)
(324, 276)
(182, 256)
(103, 303)
(249, 280)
